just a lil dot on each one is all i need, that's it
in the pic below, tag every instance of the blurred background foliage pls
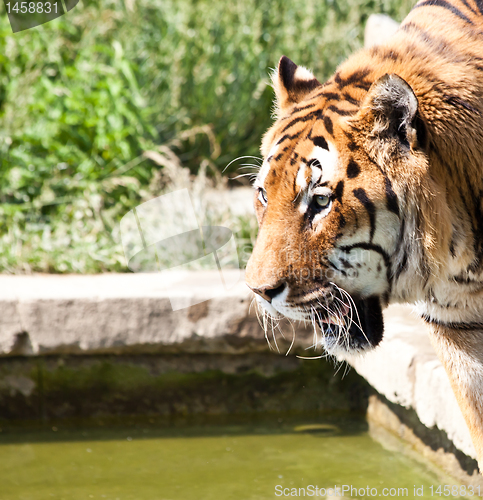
(105, 107)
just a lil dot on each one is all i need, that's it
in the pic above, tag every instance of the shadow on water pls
(113, 429)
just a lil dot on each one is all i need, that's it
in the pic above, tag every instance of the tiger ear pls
(390, 110)
(291, 83)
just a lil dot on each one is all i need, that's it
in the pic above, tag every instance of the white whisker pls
(273, 335)
(241, 158)
(293, 338)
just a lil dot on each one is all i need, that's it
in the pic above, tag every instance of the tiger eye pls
(322, 200)
(263, 194)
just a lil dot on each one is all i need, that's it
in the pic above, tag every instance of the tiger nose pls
(269, 292)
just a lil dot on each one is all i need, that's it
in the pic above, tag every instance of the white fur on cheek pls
(328, 160)
(265, 168)
(316, 174)
(301, 181)
(324, 172)
(267, 306)
(280, 307)
(362, 271)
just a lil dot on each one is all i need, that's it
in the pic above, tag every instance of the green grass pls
(83, 97)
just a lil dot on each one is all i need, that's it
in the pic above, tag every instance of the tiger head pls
(333, 243)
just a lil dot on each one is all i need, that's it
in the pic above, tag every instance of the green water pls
(240, 461)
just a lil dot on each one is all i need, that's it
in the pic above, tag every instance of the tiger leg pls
(461, 353)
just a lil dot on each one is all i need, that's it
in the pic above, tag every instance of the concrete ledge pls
(399, 429)
(130, 313)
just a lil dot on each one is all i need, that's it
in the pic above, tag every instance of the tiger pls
(370, 193)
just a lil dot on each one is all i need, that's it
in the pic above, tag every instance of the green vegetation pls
(84, 97)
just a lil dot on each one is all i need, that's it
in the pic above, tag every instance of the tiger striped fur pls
(370, 193)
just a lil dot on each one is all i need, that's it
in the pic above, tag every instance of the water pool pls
(262, 459)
